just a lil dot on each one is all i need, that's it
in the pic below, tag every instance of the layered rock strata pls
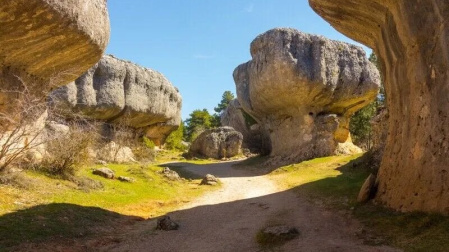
(122, 93)
(410, 38)
(48, 43)
(303, 89)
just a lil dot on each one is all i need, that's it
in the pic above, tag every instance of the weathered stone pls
(48, 43)
(254, 138)
(170, 174)
(123, 93)
(126, 179)
(209, 179)
(379, 126)
(280, 233)
(303, 89)
(166, 224)
(222, 142)
(104, 172)
(367, 190)
(113, 152)
(410, 38)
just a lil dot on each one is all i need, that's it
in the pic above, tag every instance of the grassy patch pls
(45, 208)
(336, 181)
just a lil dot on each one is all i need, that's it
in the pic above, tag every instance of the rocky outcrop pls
(379, 125)
(254, 138)
(120, 92)
(46, 43)
(410, 37)
(222, 142)
(303, 89)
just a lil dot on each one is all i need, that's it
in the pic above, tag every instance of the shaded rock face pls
(120, 92)
(254, 138)
(303, 89)
(47, 43)
(222, 142)
(410, 37)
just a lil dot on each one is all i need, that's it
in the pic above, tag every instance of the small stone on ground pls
(166, 224)
(104, 172)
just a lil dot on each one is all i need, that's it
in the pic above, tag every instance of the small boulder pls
(171, 175)
(281, 233)
(126, 179)
(368, 189)
(209, 179)
(218, 143)
(104, 172)
(166, 224)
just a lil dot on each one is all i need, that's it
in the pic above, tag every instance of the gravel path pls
(228, 220)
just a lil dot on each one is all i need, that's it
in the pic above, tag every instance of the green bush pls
(174, 140)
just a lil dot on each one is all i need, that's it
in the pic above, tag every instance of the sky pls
(197, 44)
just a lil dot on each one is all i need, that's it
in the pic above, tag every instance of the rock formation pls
(254, 138)
(410, 37)
(120, 92)
(222, 142)
(303, 89)
(46, 43)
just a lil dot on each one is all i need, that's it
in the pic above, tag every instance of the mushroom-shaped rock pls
(303, 89)
(410, 38)
(49, 42)
(120, 92)
(222, 142)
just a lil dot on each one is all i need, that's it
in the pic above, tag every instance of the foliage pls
(148, 143)
(226, 98)
(360, 125)
(174, 140)
(198, 121)
(66, 150)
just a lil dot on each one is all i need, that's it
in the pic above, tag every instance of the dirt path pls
(228, 220)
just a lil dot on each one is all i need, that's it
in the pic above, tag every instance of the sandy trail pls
(228, 220)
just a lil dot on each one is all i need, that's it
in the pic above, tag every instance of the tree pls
(226, 98)
(198, 121)
(174, 140)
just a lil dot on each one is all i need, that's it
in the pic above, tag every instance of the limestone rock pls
(165, 223)
(126, 179)
(113, 152)
(209, 179)
(303, 89)
(48, 43)
(379, 125)
(222, 142)
(170, 174)
(254, 138)
(120, 92)
(368, 189)
(410, 40)
(104, 172)
(279, 233)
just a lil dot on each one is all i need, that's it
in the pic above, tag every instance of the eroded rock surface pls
(303, 89)
(254, 138)
(120, 92)
(47, 43)
(410, 37)
(222, 142)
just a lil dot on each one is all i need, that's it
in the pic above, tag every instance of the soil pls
(229, 219)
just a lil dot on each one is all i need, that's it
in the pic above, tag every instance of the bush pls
(174, 140)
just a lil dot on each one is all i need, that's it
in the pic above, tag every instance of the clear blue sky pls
(197, 44)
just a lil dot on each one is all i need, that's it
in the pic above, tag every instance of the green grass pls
(336, 181)
(36, 208)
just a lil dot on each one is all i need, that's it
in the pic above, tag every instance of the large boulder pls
(254, 137)
(120, 92)
(222, 142)
(410, 38)
(48, 43)
(303, 89)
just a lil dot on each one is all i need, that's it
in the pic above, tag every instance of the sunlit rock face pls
(303, 89)
(410, 37)
(122, 93)
(48, 43)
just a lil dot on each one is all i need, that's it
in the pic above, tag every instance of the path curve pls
(227, 220)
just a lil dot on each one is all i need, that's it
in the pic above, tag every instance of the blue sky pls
(197, 44)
